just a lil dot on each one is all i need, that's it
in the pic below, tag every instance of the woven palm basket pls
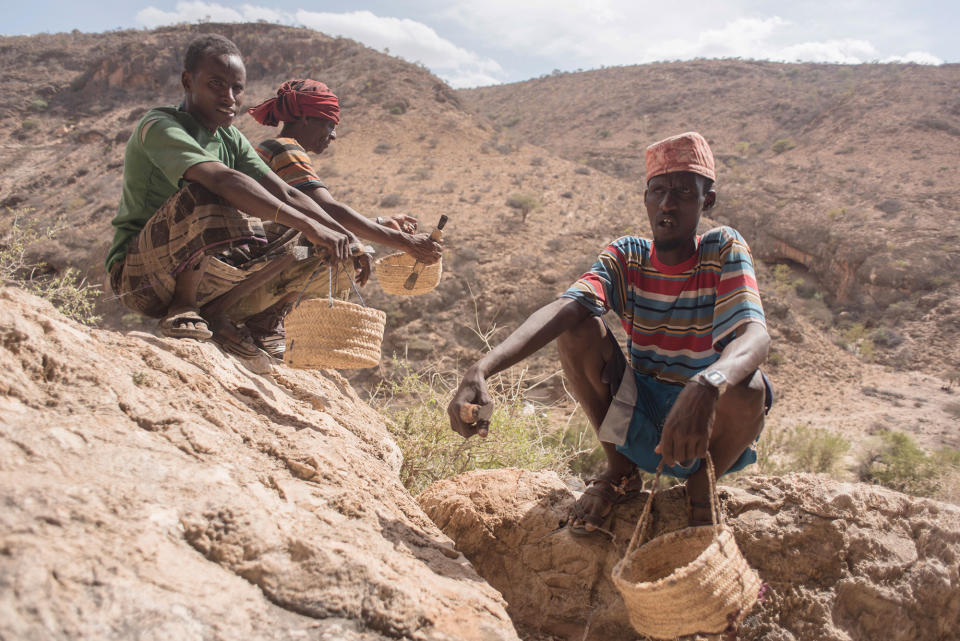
(686, 582)
(325, 333)
(392, 272)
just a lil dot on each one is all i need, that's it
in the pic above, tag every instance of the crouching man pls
(203, 222)
(696, 336)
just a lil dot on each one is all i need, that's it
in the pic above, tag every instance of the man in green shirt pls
(201, 220)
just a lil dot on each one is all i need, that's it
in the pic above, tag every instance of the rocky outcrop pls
(845, 562)
(157, 489)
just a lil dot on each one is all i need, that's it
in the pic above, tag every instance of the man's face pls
(316, 134)
(674, 202)
(215, 89)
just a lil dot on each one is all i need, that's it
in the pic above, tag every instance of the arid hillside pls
(845, 173)
(537, 177)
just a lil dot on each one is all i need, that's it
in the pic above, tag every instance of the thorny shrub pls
(896, 461)
(68, 291)
(523, 432)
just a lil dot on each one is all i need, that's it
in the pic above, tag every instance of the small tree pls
(526, 203)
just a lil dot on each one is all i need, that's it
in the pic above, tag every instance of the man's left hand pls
(686, 432)
(363, 267)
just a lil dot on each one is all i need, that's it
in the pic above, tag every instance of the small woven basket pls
(694, 580)
(333, 334)
(393, 270)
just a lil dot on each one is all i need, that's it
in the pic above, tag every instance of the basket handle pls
(643, 524)
(353, 284)
(326, 263)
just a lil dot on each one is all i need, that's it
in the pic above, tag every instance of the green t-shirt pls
(165, 144)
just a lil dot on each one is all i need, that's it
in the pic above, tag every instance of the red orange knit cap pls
(685, 152)
(295, 99)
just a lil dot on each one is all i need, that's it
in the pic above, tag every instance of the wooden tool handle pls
(437, 234)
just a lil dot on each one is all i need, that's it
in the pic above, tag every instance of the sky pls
(472, 43)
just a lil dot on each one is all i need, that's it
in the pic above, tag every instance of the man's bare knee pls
(584, 336)
(741, 406)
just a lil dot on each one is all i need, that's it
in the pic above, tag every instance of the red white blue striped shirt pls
(678, 318)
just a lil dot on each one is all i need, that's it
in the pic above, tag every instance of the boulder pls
(843, 561)
(158, 489)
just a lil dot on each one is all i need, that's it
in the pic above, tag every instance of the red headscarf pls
(295, 99)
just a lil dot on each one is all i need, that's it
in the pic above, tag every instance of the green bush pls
(800, 449)
(68, 291)
(526, 203)
(816, 449)
(896, 461)
(782, 145)
(523, 433)
(38, 104)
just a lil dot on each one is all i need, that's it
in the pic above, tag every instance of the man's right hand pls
(336, 243)
(473, 389)
(421, 247)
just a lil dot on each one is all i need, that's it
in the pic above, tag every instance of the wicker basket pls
(393, 270)
(686, 582)
(333, 334)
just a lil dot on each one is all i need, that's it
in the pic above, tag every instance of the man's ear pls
(186, 80)
(709, 200)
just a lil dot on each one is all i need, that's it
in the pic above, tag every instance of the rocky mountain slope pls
(409, 143)
(844, 562)
(155, 488)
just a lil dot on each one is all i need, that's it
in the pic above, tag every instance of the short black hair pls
(212, 44)
(707, 183)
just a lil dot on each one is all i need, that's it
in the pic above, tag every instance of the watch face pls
(715, 378)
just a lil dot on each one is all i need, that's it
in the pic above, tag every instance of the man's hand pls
(336, 243)
(421, 247)
(686, 432)
(402, 222)
(362, 267)
(473, 389)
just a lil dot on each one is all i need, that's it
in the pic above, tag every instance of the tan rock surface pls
(845, 562)
(156, 489)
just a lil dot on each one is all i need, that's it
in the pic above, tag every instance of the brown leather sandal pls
(611, 493)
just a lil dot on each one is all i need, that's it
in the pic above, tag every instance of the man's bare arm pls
(420, 246)
(744, 354)
(247, 195)
(305, 205)
(541, 327)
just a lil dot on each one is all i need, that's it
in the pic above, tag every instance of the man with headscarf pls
(191, 236)
(310, 113)
(696, 336)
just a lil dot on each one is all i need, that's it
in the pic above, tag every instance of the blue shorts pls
(654, 399)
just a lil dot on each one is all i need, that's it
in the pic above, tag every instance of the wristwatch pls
(712, 378)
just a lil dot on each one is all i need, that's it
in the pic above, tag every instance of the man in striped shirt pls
(696, 337)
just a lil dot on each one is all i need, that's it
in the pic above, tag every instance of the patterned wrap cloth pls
(296, 99)
(684, 152)
(196, 226)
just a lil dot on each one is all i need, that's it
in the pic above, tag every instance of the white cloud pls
(616, 32)
(917, 57)
(188, 12)
(409, 39)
